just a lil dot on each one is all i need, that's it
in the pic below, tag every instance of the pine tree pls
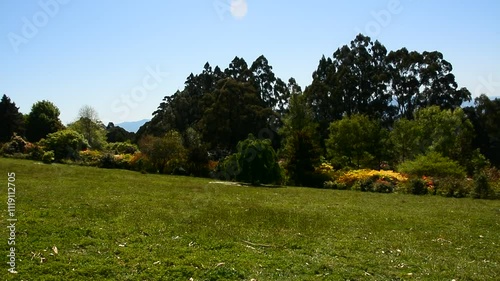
(11, 120)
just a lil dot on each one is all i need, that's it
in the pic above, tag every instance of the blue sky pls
(122, 57)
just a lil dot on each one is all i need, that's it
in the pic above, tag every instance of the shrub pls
(16, 145)
(140, 162)
(165, 153)
(228, 168)
(256, 162)
(416, 186)
(48, 157)
(123, 161)
(66, 144)
(90, 157)
(383, 186)
(107, 161)
(452, 187)
(364, 185)
(315, 179)
(34, 151)
(433, 164)
(122, 148)
(351, 177)
(482, 188)
(370, 180)
(334, 185)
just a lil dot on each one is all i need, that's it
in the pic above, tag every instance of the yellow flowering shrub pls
(351, 177)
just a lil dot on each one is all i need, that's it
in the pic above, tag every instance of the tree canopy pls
(42, 120)
(11, 120)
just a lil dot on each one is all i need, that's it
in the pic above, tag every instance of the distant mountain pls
(471, 103)
(132, 126)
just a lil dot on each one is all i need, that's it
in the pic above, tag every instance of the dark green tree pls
(439, 86)
(238, 70)
(42, 120)
(354, 81)
(485, 117)
(197, 153)
(404, 68)
(11, 120)
(257, 162)
(301, 148)
(234, 110)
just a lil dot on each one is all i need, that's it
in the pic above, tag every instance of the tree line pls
(366, 107)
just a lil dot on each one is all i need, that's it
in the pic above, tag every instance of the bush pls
(228, 168)
(416, 186)
(66, 144)
(334, 185)
(107, 161)
(482, 188)
(140, 162)
(315, 179)
(16, 145)
(122, 148)
(369, 181)
(433, 164)
(166, 153)
(255, 163)
(351, 177)
(48, 157)
(383, 186)
(363, 184)
(90, 157)
(452, 187)
(34, 151)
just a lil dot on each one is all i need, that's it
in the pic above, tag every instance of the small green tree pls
(257, 161)
(445, 131)
(355, 141)
(166, 153)
(92, 129)
(42, 120)
(405, 138)
(197, 155)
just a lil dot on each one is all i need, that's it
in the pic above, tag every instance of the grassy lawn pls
(123, 225)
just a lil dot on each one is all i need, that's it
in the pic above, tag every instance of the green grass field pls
(123, 225)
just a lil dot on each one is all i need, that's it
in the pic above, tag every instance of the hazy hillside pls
(132, 126)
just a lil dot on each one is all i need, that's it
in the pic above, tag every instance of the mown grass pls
(123, 225)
